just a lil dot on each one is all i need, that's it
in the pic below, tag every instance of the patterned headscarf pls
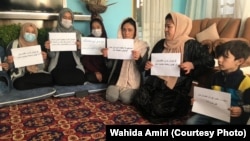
(22, 42)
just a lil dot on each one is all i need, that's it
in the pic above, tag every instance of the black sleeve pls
(199, 55)
(158, 48)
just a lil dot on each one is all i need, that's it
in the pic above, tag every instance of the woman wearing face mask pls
(28, 77)
(94, 65)
(65, 66)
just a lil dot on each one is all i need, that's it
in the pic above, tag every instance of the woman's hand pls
(5, 66)
(44, 54)
(105, 52)
(47, 44)
(136, 54)
(10, 59)
(78, 44)
(148, 65)
(98, 76)
(187, 67)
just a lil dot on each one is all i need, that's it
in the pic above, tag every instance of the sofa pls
(216, 31)
(211, 30)
(244, 36)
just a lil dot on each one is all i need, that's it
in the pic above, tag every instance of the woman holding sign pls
(33, 76)
(94, 65)
(126, 75)
(65, 66)
(4, 76)
(163, 97)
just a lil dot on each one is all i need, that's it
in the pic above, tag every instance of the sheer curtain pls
(241, 10)
(153, 19)
(199, 9)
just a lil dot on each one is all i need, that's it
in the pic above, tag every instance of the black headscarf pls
(104, 33)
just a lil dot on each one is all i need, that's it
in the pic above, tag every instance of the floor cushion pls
(65, 91)
(25, 96)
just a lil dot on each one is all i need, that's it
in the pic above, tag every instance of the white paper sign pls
(166, 64)
(1, 68)
(26, 56)
(212, 103)
(120, 48)
(62, 41)
(92, 45)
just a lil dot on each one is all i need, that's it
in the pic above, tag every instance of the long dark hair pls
(104, 33)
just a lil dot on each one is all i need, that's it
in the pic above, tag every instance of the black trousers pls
(68, 77)
(33, 80)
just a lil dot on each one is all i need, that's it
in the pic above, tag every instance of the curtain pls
(153, 20)
(233, 9)
(195, 9)
(241, 10)
(154, 12)
(199, 9)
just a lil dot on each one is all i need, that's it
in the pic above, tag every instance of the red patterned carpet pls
(66, 119)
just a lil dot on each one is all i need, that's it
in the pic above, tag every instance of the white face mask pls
(29, 37)
(97, 32)
(66, 23)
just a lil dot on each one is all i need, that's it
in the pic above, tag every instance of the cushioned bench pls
(25, 96)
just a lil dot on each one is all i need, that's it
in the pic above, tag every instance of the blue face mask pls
(29, 37)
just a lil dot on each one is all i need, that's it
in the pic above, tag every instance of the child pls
(231, 79)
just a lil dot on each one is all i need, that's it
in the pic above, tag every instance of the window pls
(137, 15)
(227, 8)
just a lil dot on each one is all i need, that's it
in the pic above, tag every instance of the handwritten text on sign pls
(62, 41)
(26, 56)
(165, 64)
(120, 48)
(212, 103)
(92, 45)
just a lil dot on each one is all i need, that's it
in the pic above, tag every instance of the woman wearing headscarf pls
(65, 66)
(4, 76)
(126, 75)
(94, 65)
(29, 77)
(164, 97)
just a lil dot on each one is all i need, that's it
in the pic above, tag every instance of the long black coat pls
(156, 102)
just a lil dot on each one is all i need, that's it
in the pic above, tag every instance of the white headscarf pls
(131, 76)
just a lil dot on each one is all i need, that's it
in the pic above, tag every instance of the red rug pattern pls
(66, 119)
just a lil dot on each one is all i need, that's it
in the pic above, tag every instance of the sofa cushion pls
(226, 27)
(210, 33)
